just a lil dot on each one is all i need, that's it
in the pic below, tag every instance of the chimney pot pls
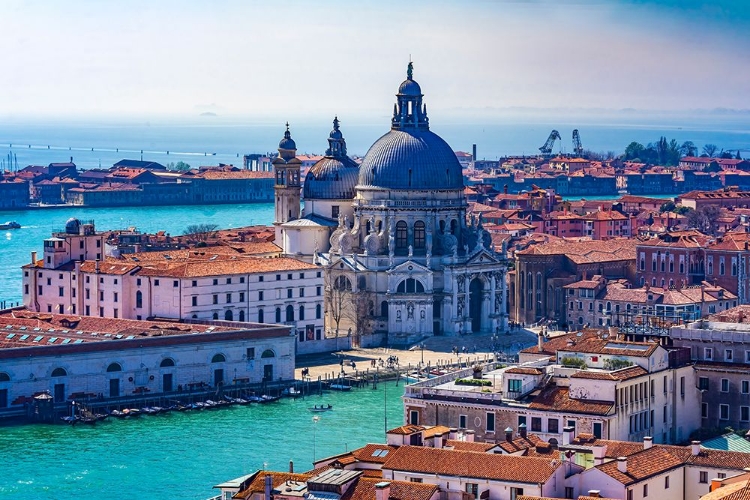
(648, 442)
(695, 448)
(291, 467)
(622, 464)
(509, 434)
(595, 493)
(522, 430)
(382, 490)
(568, 435)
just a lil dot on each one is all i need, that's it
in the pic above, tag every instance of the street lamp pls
(421, 346)
(315, 421)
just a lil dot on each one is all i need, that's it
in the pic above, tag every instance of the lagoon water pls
(185, 454)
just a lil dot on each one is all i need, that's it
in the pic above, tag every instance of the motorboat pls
(291, 392)
(268, 399)
(340, 387)
(10, 225)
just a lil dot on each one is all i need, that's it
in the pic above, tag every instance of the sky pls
(299, 58)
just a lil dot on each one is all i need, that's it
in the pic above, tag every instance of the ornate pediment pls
(408, 268)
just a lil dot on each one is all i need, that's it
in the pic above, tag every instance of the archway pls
(475, 304)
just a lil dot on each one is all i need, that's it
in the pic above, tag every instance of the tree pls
(713, 167)
(673, 153)
(667, 207)
(633, 151)
(201, 232)
(688, 148)
(338, 298)
(726, 155)
(180, 166)
(704, 219)
(710, 150)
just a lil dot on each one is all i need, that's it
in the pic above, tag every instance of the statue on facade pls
(411, 251)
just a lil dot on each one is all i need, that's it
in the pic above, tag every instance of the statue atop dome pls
(409, 70)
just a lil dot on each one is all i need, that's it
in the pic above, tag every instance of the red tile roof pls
(557, 399)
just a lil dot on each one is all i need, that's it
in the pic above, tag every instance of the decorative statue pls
(398, 315)
(421, 315)
(410, 311)
(411, 251)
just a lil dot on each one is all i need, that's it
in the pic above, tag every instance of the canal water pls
(16, 245)
(185, 454)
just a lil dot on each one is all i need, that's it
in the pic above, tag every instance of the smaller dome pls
(409, 87)
(287, 142)
(72, 226)
(331, 179)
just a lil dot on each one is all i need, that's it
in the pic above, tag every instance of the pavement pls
(433, 350)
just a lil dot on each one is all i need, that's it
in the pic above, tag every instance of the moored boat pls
(10, 225)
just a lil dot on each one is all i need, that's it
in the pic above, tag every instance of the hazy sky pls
(78, 58)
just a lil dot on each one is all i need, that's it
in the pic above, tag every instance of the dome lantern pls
(409, 111)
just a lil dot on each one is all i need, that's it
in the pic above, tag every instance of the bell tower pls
(286, 169)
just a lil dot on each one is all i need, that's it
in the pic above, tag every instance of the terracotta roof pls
(475, 446)
(364, 489)
(377, 453)
(551, 346)
(520, 370)
(642, 465)
(619, 375)
(557, 399)
(469, 464)
(738, 314)
(520, 443)
(258, 484)
(589, 251)
(234, 175)
(719, 458)
(221, 267)
(596, 345)
(110, 267)
(407, 429)
(732, 491)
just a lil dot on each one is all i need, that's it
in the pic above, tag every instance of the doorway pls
(475, 304)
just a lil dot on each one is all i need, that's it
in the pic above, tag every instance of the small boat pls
(268, 399)
(291, 392)
(159, 409)
(131, 412)
(10, 225)
(210, 404)
(340, 387)
(321, 408)
(148, 410)
(255, 399)
(70, 420)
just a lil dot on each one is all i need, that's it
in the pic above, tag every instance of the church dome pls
(411, 159)
(410, 156)
(333, 177)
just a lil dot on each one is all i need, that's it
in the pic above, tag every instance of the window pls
(260, 315)
(728, 355)
(666, 482)
(289, 313)
(744, 413)
(318, 311)
(645, 490)
(490, 422)
(215, 299)
(745, 387)
(703, 476)
(229, 298)
(175, 283)
(419, 234)
(472, 489)
(289, 276)
(195, 283)
(723, 412)
(156, 282)
(335, 212)
(116, 313)
(216, 281)
(552, 426)
(61, 291)
(242, 296)
(703, 383)
(515, 493)
(101, 312)
(569, 492)
(194, 300)
(301, 292)
(260, 279)
(289, 293)
(704, 410)
(260, 295)
(536, 424)
(514, 385)
(414, 417)
(229, 281)
(301, 313)
(138, 298)
(318, 291)
(725, 385)
(242, 279)
(462, 421)
(708, 353)
(410, 285)
(115, 297)
(278, 315)
(401, 235)
(101, 295)
(682, 386)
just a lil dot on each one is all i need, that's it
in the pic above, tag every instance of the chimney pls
(569, 433)
(268, 487)
(33, 257)
(522, 430)
(291, 467)
(715, 483)
(695, 448)
(469, 436)
(648, 442)
(452, 433)
(540, 341)
(509, 434)
(96, 266)
(622, 464)
(382, 490)
(595, 493)
(71, 159)
(599, 451)
(437, 441)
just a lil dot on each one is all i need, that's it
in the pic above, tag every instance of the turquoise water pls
(16, 245)
(185, 454)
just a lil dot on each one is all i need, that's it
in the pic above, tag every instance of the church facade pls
(399, 255)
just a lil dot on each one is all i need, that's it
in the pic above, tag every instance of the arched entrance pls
(475, 304)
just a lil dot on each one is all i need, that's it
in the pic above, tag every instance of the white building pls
(392, 233)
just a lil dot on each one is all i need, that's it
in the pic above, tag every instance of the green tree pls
(688, 148)
(710, 150)
(633, 151)
(704, 219)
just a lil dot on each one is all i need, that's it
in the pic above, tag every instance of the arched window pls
(361, 283)
(454, 227)
(59, 372)
(216, 316)
(260, 315)
(342, 283)
(278, 315)
(166, 362)
(290, 313)
(301, 313)
(419, 234)
(218, 358)
(114, 367)
(228, 315)
(242, 315)
(384, 309)
(138, 299)
(410, 285)
(4, 377)
(318, 311)
(401, 235)
(268, 353)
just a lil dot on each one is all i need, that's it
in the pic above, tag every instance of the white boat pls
(10, 225)
(340, 387)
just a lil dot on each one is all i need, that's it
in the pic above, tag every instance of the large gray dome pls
(411, 159)
(331, 179)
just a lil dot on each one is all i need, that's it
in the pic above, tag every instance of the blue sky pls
(302, 58)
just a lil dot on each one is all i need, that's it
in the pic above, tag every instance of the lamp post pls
(315, 426)
(421, 346)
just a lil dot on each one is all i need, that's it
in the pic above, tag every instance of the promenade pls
(435, 351)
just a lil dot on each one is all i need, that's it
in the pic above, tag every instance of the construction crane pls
(577, 147)
(547, 148)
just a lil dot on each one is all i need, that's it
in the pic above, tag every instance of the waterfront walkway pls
(433, 351)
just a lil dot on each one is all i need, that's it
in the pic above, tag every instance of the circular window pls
(477, 422)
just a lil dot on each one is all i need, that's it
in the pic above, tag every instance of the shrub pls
(473, 381)
(574, 362)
